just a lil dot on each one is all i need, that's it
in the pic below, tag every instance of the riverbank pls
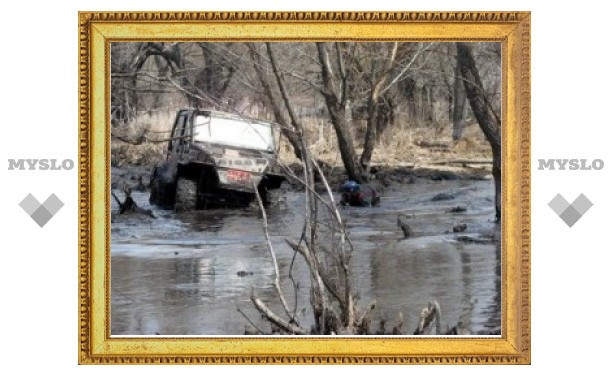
(404, 156)
(137, 178)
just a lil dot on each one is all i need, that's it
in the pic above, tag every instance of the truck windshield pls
(234, 132)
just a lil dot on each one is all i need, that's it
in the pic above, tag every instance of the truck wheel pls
(271, 197)
(186, 195)
(162, 185)
(208, 183)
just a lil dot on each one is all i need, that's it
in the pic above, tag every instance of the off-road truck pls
(216, 159)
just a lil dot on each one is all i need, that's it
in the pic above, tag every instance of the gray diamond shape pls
(29, 204)
(53, 204)
(582, 204)
(570, 216)
(558, 204)
(41, 213)
(41, 216)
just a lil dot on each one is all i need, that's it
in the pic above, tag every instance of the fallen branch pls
(425, 143)
(142, 138)
(363, 324)
(475, 239)
(397, 327)
(404, 226)
(428, 315)
(462, 161)
(275, 319)
(130, 206)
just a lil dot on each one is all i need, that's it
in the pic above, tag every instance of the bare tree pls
(216, 75)
(201, 72)
(459, 102)
(359, 89)
(487, 118)
(327, 249)
(173, 56)
(376, 104)
(335, 88)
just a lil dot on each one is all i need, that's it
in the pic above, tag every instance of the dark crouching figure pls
(355, 194)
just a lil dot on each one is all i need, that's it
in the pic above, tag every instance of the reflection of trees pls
(192, 279)
(160, 285)
(482, 283)
(493, 324)
(406, 277)
(464, 278)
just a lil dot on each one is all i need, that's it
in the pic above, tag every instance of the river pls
(188, 274)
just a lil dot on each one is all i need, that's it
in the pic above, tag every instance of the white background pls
(570, 119)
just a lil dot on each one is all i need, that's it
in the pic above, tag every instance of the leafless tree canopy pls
(361, 89)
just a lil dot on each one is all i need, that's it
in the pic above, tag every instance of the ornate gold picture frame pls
(97, 30)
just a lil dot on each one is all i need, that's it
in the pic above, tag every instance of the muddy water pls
(189, 274)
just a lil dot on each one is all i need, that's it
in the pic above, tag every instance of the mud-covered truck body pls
(216, 159)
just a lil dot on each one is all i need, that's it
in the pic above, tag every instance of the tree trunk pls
(216, 76)
(370, 137)
(378, 114)
(426, 104)
(335, 105)
(459, 100)
(408, 88)
(489, 121)
(345, 142)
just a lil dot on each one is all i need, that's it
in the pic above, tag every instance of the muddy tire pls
(272, 197)
(186, 195)
(163, 185)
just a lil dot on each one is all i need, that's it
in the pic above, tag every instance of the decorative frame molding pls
(97, 29)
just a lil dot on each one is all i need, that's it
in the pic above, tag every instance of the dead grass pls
(157, 125)
(401, 145)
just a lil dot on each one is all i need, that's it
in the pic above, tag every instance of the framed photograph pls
(304, 187)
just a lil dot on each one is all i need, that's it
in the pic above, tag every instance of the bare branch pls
(428, 315)
(250, 322)
(288, 132)
(332, 205)
(406, 68)
(277, 285)
(343, 74)
(363, 324)
(281, 85)
(327, 72)
(397, 327)
(314, 267)
(273, 318)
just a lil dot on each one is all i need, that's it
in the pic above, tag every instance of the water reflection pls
(188, 274)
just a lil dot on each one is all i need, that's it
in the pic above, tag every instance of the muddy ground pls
(138, 177)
